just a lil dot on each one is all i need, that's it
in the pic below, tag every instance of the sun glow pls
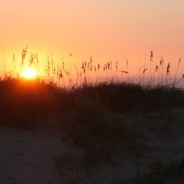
(29, 73)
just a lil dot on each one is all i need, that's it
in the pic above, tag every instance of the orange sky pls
(104, 29)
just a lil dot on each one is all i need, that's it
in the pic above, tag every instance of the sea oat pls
(124, 71)
(151, 56)
(156, 68)
(144, 70)
(168, 68)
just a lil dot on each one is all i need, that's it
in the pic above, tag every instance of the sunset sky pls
(104, 29)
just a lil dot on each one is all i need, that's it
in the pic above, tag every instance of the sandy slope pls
(28, 158)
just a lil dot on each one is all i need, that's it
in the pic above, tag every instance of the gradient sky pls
(104, 29)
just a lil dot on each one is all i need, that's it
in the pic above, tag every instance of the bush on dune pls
(37, 99)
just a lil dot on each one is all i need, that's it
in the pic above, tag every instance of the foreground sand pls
(29, 158)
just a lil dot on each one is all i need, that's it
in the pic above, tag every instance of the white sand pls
(28, 158)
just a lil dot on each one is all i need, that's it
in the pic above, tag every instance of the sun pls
(29, 73)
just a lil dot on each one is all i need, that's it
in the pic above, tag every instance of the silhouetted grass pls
(127, 97)
(22, 100)
(83, 113)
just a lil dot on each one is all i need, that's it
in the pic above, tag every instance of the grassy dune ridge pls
(25, 104)
(39, 98)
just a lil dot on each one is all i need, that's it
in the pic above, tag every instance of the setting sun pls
(29, 73)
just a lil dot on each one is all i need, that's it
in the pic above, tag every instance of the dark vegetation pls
(37, 99)
(40, 99)
(81, 112)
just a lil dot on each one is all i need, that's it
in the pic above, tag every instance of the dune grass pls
(83, 113)
(28, 100)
